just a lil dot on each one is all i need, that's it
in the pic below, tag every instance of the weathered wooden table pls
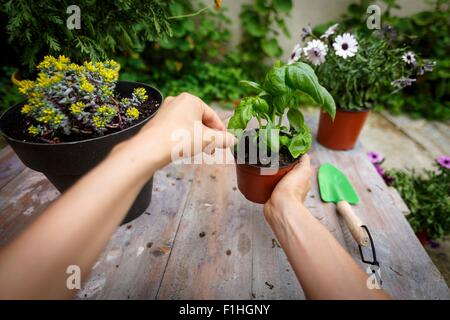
(201, 239)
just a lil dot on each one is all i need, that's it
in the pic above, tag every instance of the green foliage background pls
(428, 34)
(427, 196)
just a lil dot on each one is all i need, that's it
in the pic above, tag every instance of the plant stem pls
(280, 120)
(190, 14)
(259, 121)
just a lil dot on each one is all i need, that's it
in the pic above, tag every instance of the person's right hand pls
(291, 190)
(184, 125)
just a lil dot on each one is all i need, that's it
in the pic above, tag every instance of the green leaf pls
(260, 105)
(285, 141)
(300, 143)
(274, 82)
(300, 76)
(252, 85)
(269, 137)
(271, 47)
(296, 119)
(253, 24)
(242, 115)
(282, 5)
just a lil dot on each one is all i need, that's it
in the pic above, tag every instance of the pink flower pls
(375, 157)
(444, 161)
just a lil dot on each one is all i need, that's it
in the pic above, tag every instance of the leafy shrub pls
(373, 68)
(427, 33)
(38, 28)
(262, 21)
(70, 99)
(427, 196)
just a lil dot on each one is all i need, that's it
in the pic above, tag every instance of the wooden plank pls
(406, 269)
(22, 200)
(212, 253)
(10, 165)
(434, 140)
(134, 261)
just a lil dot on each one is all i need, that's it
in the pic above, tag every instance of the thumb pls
(217, 139)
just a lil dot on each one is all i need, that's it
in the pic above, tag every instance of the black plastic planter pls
(64, 163)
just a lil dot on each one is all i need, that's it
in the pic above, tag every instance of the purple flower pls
(306, 32)
(379, 169)
(375, 157)
(444, 161)
(402, 82)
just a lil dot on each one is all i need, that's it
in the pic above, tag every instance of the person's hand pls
(291, 190)
(184, 126)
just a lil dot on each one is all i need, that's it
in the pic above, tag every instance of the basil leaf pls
(242, 115)
(269, 137)
(300, 76)
(285, 141)
(296, 119)
(260, 105)
(300, 143)
(252, 85)
(274, 82)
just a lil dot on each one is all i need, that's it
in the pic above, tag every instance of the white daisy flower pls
(330, 31)
(409, 57)
(315, 52)
(296, 54)
(345, 45)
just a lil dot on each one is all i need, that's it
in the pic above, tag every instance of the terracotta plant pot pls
(255, 186)
(343, 132)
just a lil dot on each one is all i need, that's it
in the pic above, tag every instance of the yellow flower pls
(90, 66)
(106, 90)
(45, 81)
(86, 85)
(98, 121)
(75, 67)
(132, 113)
(77, 107)
(108, 75)
(50, 116)
(63, 59)
(25, 86)
(140, 94)
(26, 109)
(47, 62)
(34, 131)
(35, 99)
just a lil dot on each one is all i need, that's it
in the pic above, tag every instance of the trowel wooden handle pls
(354, 223)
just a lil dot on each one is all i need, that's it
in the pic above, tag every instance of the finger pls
(301, 168)
(168, 100)
(211, 119)
(217, 139)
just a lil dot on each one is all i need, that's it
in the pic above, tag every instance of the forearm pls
(324, 269)
(75, 229)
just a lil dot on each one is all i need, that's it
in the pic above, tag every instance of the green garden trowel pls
(335, 187)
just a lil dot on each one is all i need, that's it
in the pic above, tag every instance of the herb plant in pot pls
(74, 116)
(357, 70)
(265, 154)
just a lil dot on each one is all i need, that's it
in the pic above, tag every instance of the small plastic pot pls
(64, 163)
(343, 132)
(255, 186)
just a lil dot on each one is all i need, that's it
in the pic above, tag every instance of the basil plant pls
(281, 92)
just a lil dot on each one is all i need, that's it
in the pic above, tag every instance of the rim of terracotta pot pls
(352, 111)
(90, 139)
